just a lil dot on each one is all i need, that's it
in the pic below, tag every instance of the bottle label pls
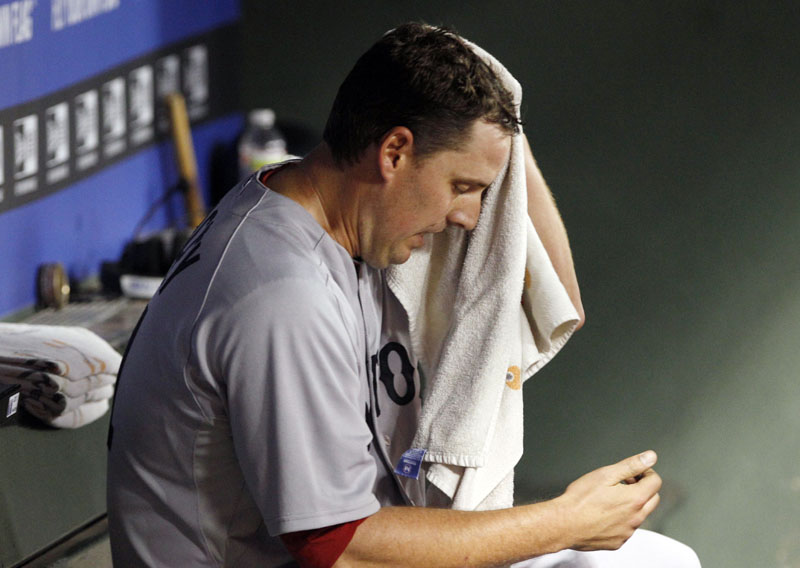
(253, 159)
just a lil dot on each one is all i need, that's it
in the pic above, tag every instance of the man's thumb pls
(648, 459)
(636, 465)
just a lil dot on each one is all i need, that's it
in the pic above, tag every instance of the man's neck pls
(326, 191)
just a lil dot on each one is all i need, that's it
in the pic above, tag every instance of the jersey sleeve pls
(290, 365)
(320, 548)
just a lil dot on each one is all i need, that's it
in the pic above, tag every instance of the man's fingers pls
(649, 482)
(634, 466)
(651, 505)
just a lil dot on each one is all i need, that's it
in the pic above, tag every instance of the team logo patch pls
(514, 378)
(410, 463)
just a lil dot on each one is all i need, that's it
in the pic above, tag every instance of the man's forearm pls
(415, 536)
(596, 512)
(547, 221)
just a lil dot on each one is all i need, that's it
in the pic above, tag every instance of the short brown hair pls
(424, 78)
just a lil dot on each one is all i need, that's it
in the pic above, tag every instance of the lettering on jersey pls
(189, 254)
(387, 375)
(374, 368)
(370, 423)
(16, 22)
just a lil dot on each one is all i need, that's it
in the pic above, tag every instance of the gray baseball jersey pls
(268, 388)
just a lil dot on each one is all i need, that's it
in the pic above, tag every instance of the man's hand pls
(608, 504)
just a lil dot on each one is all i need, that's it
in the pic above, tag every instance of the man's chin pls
(401, 258)
(399, 255)
(402, 254)
(417, 241)
(393, 259)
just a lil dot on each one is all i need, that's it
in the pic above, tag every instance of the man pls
(248, 419)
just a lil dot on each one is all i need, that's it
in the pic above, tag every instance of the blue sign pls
(83, 127)
(47, 45)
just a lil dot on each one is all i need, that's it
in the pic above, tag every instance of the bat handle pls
(187, 165)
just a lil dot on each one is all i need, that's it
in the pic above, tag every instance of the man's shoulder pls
(272, 240)
(282, 281)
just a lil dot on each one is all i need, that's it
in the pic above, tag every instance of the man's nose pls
(465, 211)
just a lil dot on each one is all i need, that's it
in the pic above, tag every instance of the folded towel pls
(476, 341)
(67, 374)
(51, 384)
(85, 414)
(49, 408)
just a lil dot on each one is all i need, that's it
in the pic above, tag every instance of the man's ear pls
(395, 151)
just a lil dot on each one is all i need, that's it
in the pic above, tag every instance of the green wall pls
(670, 135)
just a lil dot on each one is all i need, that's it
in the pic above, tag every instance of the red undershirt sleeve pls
(320, 548)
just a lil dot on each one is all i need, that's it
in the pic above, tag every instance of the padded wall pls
(84, 153)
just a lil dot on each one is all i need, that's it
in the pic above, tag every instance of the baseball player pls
(269, 389)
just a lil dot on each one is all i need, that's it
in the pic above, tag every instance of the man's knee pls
(663, 551)
(687, 557)
(644, 548)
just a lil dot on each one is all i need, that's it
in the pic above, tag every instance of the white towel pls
(85, 414)
(67, 374)
(477, 343)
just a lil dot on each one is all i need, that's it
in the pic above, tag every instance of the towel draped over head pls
(486, 310)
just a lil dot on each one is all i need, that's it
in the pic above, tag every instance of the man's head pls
(419, 197)
(424, 78)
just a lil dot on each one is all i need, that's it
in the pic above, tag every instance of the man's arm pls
(544, 214)
(597, 511)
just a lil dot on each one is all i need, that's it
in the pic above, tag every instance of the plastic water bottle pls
(261, 143)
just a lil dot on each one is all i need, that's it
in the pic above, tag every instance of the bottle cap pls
(264, 117)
